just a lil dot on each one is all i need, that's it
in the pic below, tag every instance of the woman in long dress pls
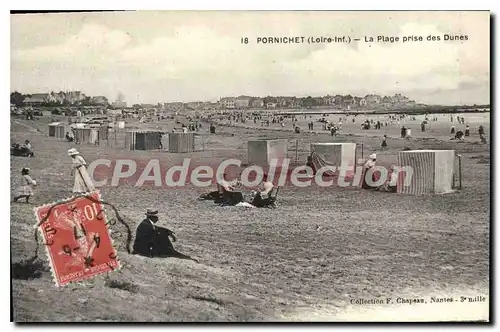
(83, 182)
(370, 163)
(25, 190)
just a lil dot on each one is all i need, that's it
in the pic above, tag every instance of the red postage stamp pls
(77, 239)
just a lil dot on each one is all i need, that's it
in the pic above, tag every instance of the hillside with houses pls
(371, 101)
(70, 102)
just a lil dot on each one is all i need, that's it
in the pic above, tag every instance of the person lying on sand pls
(228, 191)
(154, 241)
(217, 195)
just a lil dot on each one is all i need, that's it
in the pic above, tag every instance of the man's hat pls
(373, 156)
(151, 212)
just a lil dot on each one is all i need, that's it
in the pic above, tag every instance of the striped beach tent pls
(57, 129)
(181, 142)
(424, 172)
(143, 140)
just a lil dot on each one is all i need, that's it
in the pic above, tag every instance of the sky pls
(166, 56)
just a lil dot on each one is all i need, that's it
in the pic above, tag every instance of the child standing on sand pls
(25, 190)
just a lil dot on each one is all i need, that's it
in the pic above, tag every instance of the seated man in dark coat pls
(153, 241)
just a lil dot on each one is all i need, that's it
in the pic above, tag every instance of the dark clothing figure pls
(480, 130)
(403, 132)
(311, 164)
(232, 197)
(384, 142)
(422, 126)
(147, 239)
(459, 135)
(69, 138)
(467, 131)
(258, 201)
(452, 130)
(153, 241)
(211, 196)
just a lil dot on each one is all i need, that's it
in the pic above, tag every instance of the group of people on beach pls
(82, 181)
(228, 193)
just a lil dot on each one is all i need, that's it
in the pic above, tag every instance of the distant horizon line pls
(245, 95)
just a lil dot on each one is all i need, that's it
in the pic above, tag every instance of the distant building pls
(242, 102)
(257, 103)
(147, 106)
(287, 102)
(210, 106)
(328, 100)
(99, 100)
(119, 104)
(120, 101)
(194, 105)
(318, 101)
(75, 97)
(387, 101)
(348, 100)
(359, 101)
(338, 100)
(373, 99)
(271, 105)
(400, 99)
(227, 103)
(38, 98)
(114, 112)
(58, 97)
(174, 106)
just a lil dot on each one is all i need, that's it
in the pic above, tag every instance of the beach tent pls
(57, 129)
(431, 172)
(143, 140)
(180, 142)
(334, 154)
(262, 152)
(86, 135)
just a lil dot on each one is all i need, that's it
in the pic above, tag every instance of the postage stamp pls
(77, 239)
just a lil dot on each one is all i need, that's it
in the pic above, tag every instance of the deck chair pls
(270, 201)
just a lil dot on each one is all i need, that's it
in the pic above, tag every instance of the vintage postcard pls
(254, 166)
